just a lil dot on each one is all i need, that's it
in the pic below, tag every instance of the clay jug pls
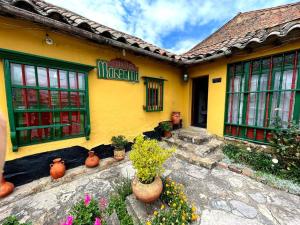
(92, 160)
(175, 118)
(57, 168)
(6, 188)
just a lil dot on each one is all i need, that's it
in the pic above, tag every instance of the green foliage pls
(179, 212)
(119, 142)
(147, 157)
(118, 204)
(261, 161)
(12, 220)
(165, 126)
(117, 201)
(85, 214)
(286, 143)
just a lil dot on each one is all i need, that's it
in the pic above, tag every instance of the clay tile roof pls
(244, 28)
(257, 26)
(59, 14)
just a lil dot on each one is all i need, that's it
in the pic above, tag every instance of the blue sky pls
(176, 25)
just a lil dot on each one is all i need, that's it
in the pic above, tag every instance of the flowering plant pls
(179, 212)
(85, 212)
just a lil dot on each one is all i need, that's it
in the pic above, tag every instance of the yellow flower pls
(148, 223)
(194, 217)
(155, 213)
(167, 185)
(194, 209)
(181, 201)
(183, 218)
(162, 206)
(174, 204)
(182, 224)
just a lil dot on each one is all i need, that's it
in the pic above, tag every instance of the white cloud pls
(153, 20)
(184, 45)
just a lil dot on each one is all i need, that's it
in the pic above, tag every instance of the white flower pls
(249, 149)
(263, 146)
(277, 109)
(275, 161)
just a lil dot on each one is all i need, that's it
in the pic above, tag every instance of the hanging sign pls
(117, 69)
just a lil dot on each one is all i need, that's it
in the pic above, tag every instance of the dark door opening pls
(199, 102)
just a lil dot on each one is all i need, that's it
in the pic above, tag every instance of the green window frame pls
(47, 99)
(258, 90)
(154, 94)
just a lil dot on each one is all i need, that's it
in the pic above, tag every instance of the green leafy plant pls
(179, 210)
(85, 212)
(147, 157)
(117, 201)
(165, 126)
(119, 142)
(12, 220)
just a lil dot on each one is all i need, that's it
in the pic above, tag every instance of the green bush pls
(119, 142)
(12, 220)
(286, 143)
(261, 161)
(147, 158)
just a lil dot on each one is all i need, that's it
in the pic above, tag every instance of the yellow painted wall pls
(116, 107)
(217, 91)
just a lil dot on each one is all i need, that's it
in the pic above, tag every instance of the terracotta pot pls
(92, 160)
(147, 193)
(167, 134)
(57, 168)
(6, 188)
(175, 118)
(119, 154)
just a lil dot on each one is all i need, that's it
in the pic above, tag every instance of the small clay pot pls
(175, 118)
(167, 134)
(92, 160)
(147, 193)
(57, 168)
(6, 188)
(119, 154)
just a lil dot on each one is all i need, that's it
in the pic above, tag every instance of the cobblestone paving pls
(222, 197)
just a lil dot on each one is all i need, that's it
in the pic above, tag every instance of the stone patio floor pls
(221, 196)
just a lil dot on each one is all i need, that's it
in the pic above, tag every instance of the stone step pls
(200, 150)
(141, 212)
(208, 162)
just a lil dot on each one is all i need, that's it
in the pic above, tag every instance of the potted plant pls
(166, 127)
(147, 158)
(119, 143)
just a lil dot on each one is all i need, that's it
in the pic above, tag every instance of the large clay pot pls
(92, 160)
(147, 193)
(6, 188)
(57, 168)
(175, 118)
(167, 134)
(119, 154)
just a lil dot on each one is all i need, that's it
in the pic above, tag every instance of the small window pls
(154, 94)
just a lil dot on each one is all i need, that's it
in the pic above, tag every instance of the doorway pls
(199, 101)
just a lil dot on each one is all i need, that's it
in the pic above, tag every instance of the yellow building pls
(67, 81)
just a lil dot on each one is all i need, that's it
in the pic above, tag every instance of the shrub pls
(286, 143)
(147, 157)
(119, 142)
(12, 220)
(179, 212)
(165, 126)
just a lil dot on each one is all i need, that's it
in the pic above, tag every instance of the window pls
(258, 91)
(154, 94)
(46, 103)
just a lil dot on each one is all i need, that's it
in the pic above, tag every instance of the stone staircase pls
(196, 146)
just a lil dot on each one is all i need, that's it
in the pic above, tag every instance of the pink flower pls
(97, 221)
(103, 203)
(87, 200)
(69, 221)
